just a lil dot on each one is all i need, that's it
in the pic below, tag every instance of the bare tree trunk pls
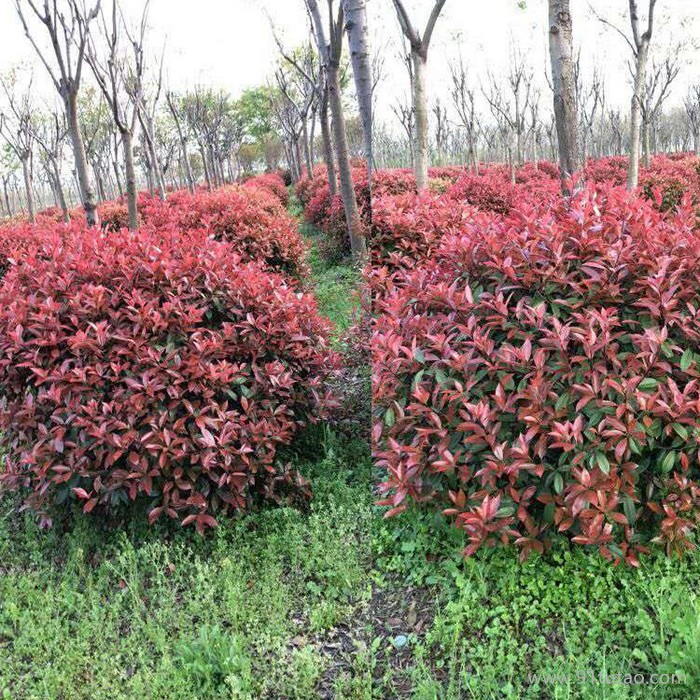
(357, 31)
(81, 164)
(419, 59)
(185, 161)
(352, 215)
(205, 167)
(128, 145)
(646, 143)
(636, 118)
(27, 175)
(641, 44)
(564, 89)
(327, 143)
(60, 193)
(420, 109)
(117, 175)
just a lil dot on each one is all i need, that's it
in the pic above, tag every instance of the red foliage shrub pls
(273, 183)
(668, 180)
(113, 215)
(411, 226)
(488, 192)
(611, 170)
(156, 367)
(542, 374)
(251, 219)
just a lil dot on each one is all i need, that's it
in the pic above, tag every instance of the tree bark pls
(352, 215)
(646, 143)
(564, 89)
(60, 192)
(82, 170)
(327, 143)
(357, 31)
(130, 171)
(27, 175)
(420, 109)
(641, 46)
(636, 116)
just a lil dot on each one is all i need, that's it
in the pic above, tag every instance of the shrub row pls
(165, 366)
(539, 372)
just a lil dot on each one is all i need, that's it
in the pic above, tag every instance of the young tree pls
(330, 53)
(50, 134)
(464, 103)
(120, 79)
(691, 103)
(639, 45)
(68, 27)
(656, 91)
(564, 90)
(174, 103)
(419, 58)
(17, 128)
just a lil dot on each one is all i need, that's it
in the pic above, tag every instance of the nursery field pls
(354, 359)
(534, 385)
(313, 592)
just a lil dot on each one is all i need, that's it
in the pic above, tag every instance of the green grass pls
(245, 612)
(493, 623)
(335, 285)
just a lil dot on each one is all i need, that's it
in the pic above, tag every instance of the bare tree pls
(639, 45)
(17, 128)
(404, 113)
(121, 81)
(330, 54)
(591, 103)
(656, 90)
(50, 134)
(464, 103)
(692, 109)
(68, 29)
(175, 106)
(564, 89)
(510, 110)
(147, 110)
(419, 58)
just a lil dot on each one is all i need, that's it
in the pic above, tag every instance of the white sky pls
(228, 43)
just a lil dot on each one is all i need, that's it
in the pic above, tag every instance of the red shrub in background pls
(490, 191)
(411, 226)
(113, 215)
(270, 182)
(668, 180)
(610, 169)
(155, 367)
(543, 374)
(251, 219)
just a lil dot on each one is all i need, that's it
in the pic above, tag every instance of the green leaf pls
(558, 483)
(603, 463)
(648, 384)
(681, 430)
(389, 418)
(668, 462)
(686, 359)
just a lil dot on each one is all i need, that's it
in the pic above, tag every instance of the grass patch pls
(251, 610)
(335, 285)
(492, 628)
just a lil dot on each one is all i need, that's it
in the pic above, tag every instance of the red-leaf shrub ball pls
(542, 375)
(156, 367)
